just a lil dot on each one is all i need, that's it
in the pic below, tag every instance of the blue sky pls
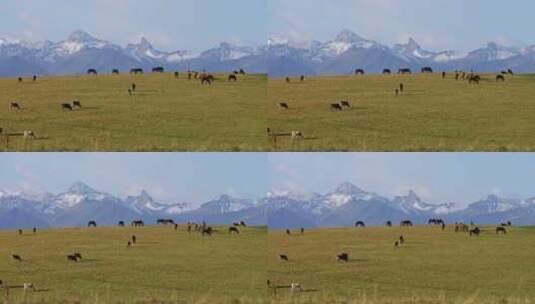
(436, 177)
(169, 24)
(198, 177)
(436, 24)
(168, 177)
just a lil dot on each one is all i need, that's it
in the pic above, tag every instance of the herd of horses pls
(471, 77)
(70, 106)
(76, 257)
(343, 257)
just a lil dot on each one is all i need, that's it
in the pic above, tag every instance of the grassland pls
(433, 114)
(432, 266)
(164, 265)
(165, 114)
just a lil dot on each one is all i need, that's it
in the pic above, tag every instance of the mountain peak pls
(348, 36)
(145, 43)
(81, 36)
(348, 188)
(81, 188)
(412, 44)
(412, 196)
(145, 195)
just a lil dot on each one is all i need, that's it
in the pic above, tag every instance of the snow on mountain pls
(493, 203)
(225, 203)
(78, 193)
(345, 193)
(493, 51)
(226, 51)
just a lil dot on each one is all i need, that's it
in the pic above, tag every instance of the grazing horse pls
(474, 79)
(387, 72)
(283, 257)
(92, 72)
(28, 134)
(136, 71)
(297, 135)
(336, 107)
(206, 79)
(165, 222)
(501, 230)
(406, 223)
(360, 224)
(14, 106)
(434, 221)
(232, 230)
(158, 70)
(72, 257)
(345, 104)
(232, 78)
(359, 72)
(137, 223)
(475, 231)
(342, 257)
(460, 227)
(92, 224)
(76, 104)
(500, 78)
(283, 105)
(16, 257)
(427, 70)
(208, 231)
(66, 107)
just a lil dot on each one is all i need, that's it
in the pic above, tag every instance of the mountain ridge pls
(342, 206)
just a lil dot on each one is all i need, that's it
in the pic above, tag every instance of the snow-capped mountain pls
(81, 203)
(349, 51)
(348, 203)
(81, 51)
(341, 206)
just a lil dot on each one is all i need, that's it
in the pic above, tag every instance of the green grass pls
(433, 266)
(165, 265)
(165, 115)
(433, 114)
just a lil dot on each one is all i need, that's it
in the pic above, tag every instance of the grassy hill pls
(433, 114)
(164, 265)
(165, 114)
(432, 266)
